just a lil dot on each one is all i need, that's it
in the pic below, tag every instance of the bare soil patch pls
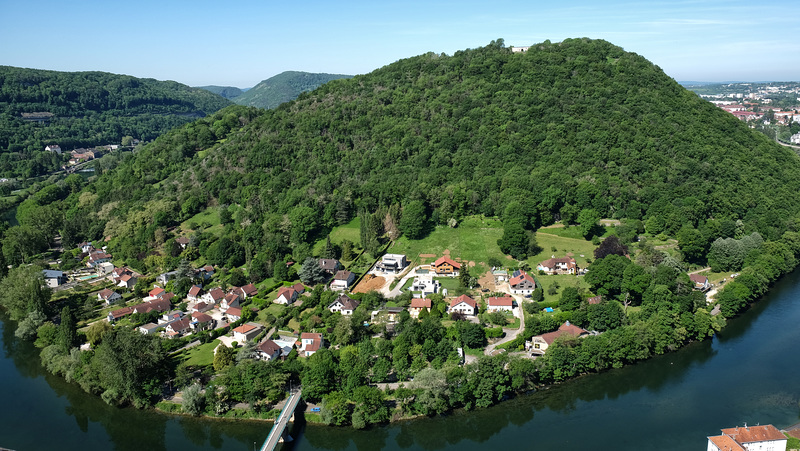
(427, 255)
(487, 281)
(446, 252)
(471, 264)
(370, 282)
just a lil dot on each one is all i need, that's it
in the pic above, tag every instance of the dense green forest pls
(89, 109)
(229, 92)
(283, 87)
(573, 131)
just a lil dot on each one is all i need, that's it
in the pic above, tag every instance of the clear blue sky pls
(241, 43)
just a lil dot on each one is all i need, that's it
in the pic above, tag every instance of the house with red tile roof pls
(119, 313)
(445, 266)
(464, 305)
(522, 283)
(214, 296)
(234, 314)
(539, 344)
(749, 438)
(179, 327)
(201, 321)
(230, 300)
(560, 265)
(246, 332)
(418, 305)
(248, 291)
(310, 343)
(499, 303)
(700, 282)
(286, 295)
(155, 293)
(594, 300)
(195, 293)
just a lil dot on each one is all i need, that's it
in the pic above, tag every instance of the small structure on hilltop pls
(749, 438)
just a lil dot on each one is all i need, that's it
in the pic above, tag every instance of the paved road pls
(511, 334)
(283, 420)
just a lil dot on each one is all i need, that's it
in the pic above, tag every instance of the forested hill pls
(88, 109)
(541, 135)
(229, 92)
(283, 87)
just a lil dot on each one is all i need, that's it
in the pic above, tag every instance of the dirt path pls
(700, 270)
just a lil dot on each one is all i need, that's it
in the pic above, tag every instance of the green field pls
(475, 239)
(350, 231)
(201, 355)
(208, 217)
(581, 250)
(563, 280)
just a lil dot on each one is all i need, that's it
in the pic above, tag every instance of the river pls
(746, 374)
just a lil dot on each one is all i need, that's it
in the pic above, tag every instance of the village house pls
(286, 295)
(329, 265)
(594, 300)
(495, 303)
(182, 241)
(179, 327)
(158, 305)
(234, 314)
(561, 265)
(195, 293)
(170, 317)
(464, 305)
(163, 278)
(392, 263)
(500, 275)
(700, 282)
(445, 266)
(201, 321)
(201, 307)
(246, 332)
(418, 305)
(342, 280)
(214, 296)
(230, 300)
(149, 328)
(155, 293)
(54, 278)
(425, 285)
(246, 291)
(86, 247)
(539, 344)
(97, 257)
(749, 438)
(343, 304)
(127, 281)
(206, 272)
(104, 268)
(310, 343)
(108, 296)
(55, 148)
(522, 283)
(114, 315)
(268, 350)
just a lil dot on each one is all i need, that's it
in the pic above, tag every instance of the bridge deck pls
(282, 421)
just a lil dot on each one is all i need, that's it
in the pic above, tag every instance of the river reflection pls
(745, 374)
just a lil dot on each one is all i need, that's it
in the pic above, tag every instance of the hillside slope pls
(566, 127)
(283, 87)
(88, 108)
(229, 92)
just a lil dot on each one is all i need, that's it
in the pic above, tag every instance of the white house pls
(539, 344)
(560, 265)
(392, 263)
(700, 282)
(195, 293)
(464, 305)
(53, 148)
(342, 280)
(179, 327)
(495, 303)
(424, 285)
(230, 300)
(795, 139)
(286, 295)
(343, 304)
(149, 328)
(108, 296)
(54, 278)
(750, 438)
(104, 268)
(310, 343)
(214, 296)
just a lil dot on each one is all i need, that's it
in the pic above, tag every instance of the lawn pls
(572, 232)
(563, 280)
(209, 217)
(450, 283)
(201, 355)
(350, 231)
(581, 250)
(475, 239)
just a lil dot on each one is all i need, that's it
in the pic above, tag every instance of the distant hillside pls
(284, 87)
(229, 92)
(86, 109)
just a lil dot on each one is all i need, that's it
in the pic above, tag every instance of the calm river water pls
(748, 373)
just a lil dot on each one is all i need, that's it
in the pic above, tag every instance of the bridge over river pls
(278, 432)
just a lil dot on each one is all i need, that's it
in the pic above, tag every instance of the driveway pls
(511, 334)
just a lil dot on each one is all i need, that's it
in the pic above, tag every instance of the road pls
(283, 420)
(511, 334)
